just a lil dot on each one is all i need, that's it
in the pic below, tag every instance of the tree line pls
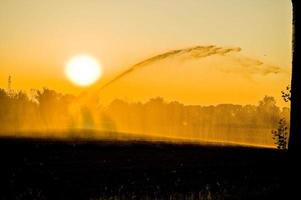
(47, 109)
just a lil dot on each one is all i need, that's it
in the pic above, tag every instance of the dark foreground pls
(37, 169)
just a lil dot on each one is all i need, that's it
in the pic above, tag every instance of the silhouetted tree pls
(286, 94)
(280, 135)
(53, 107)
(268, 112)
(47, 109)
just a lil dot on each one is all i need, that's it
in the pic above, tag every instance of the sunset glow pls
(201, 70)
(149, 99)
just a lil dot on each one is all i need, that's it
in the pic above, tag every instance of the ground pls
(57, 169)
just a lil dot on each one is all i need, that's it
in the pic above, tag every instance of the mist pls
(155, 105)
(198, 52)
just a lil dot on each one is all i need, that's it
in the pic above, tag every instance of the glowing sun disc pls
(83, 70)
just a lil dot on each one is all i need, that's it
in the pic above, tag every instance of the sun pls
(83, 70)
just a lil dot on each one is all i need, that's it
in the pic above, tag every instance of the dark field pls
(39, 169)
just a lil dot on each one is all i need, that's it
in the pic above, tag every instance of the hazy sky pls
(37, 37)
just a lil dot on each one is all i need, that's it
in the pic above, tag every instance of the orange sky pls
(37, 38)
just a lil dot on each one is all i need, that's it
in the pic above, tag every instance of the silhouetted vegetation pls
(47, 109)
(280, 135)
(286, 94)
(42, 109)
